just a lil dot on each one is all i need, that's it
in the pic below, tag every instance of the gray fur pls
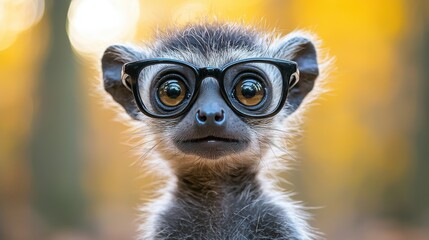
(219, 197)
(206, 39)
(213, 206)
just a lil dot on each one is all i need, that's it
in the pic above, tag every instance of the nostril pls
(220, 116)
(201, 117)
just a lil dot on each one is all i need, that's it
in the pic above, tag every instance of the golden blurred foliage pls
(358, 150)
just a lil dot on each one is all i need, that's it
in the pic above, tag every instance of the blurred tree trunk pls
(56, 150)
(421, 171)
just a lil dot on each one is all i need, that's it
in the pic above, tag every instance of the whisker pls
(143, 157)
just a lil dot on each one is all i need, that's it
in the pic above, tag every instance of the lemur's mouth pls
(212, 147)
(211, 139)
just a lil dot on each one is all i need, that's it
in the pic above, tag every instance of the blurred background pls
(65, 172)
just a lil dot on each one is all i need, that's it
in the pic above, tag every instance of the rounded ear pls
(111, 64)
(299, 48)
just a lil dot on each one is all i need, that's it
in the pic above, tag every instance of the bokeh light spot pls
(19, 16)
(95, 24)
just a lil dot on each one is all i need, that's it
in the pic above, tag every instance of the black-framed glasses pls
(167, 88)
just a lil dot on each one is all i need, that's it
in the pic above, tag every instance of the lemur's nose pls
(210, 115)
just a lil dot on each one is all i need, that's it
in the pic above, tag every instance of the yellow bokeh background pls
(362, 160)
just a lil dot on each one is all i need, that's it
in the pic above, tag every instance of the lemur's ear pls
(111, 64)
(299, 48)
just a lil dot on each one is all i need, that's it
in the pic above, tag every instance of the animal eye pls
(172, 92)
(249, 92)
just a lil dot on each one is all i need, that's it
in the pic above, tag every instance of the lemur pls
(213, 103)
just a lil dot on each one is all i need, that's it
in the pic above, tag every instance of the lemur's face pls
(211, 112)
(210, 105)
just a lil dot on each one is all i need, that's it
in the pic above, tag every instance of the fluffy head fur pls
(215, 44)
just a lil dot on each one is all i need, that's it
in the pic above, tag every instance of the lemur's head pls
(210, 93)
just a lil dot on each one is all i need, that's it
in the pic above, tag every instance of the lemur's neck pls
(222, 205)
(211, 187)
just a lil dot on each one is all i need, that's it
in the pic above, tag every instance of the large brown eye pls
(249, 92)
(172, 92)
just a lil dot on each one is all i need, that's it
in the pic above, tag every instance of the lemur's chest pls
(249, 217)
